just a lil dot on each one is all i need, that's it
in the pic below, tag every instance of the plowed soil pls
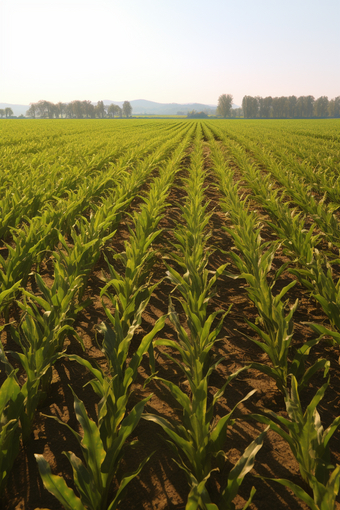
(161, 485)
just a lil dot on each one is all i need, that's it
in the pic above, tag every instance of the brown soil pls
(161, 484)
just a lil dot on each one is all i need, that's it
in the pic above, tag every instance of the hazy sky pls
(167, 50)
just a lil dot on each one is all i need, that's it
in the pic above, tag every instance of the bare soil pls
(161, 485)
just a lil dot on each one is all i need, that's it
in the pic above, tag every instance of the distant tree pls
(299, 108)
(238, 112)
(2, 112)
(68, 111)
(100, 110)
(31, 112)
(250, 107)
(88, 109)
(292, 100)
(321, 107)
(245, 106)
(8, 112)
(308, 103)
(224, 105)
(334, 107)
(196, 115)
(290, 107)
(280, 107)
(112, 110)
(127, 109)
(119, 111)
(60, 109)
(41, 109)
(265, 105)
(77, 109)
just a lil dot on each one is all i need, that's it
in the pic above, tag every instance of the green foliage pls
(11, 404)
(103, 442)
(309, 443)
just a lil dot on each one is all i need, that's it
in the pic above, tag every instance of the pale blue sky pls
(167, 50)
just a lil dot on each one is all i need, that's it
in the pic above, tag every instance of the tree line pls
(291, 107)
(77, 110)
(6, 112)
(252, 108)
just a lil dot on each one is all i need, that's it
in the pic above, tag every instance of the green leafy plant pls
(11, 406)
(103, 442)
(309, 443)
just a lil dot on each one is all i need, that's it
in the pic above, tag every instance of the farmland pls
(170, 314)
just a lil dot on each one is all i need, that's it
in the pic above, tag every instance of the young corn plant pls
(113, 427)
(28, 242)
(287, 223)
(45, 323)
(38, 355)
(309, 443)
(56, 309)
(318, 277)
(277, 328)
(302, 195)
(15, 205)
(7, 296)
(78, 260)
(90, 236)
(313, 270)
(131, 288)
(11, 406)
(11, 403)
(254, 262)
(104, 441)
(40, 335)
(198, 440)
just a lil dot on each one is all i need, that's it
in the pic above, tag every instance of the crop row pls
(72, 220)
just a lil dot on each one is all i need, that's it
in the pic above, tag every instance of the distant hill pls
(18, 109)
(142, 106)
(139, 107)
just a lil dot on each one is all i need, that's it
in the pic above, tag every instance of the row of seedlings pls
(47, 318)
(302, 195)
(313, 266)
(40, 234)
(105, 440)
(199, 438)
(302, 429)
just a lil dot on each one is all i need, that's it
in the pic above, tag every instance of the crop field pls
(169, 314)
